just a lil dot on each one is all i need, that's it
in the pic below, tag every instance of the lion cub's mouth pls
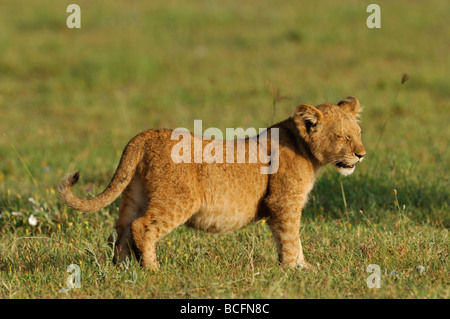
(343, 165)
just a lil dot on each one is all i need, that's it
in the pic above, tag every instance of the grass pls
(71, 99)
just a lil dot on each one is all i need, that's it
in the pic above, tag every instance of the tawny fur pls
(158, 195)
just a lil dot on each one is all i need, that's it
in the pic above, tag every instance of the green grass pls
(71, 100)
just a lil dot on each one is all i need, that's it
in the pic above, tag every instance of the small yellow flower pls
(18, 196)
(169, 243)
(263, 222)
(52, 191)
(349, 225)
(58, 226)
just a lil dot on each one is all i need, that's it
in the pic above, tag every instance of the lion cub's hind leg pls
(133, 205)
(160, 219)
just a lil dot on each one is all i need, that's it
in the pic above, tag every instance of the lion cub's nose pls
(360, 156)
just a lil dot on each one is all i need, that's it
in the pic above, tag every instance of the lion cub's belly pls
(231, 195)
(221, 216)
(228, 207)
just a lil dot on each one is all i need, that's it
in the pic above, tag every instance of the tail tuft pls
(67, 183)
(74, 178)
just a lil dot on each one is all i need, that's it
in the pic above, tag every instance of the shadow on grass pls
(422, 203)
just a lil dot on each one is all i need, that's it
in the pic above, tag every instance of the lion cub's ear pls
(351, 104)
(307, 117)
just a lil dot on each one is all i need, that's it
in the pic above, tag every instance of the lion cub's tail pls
(130, 159)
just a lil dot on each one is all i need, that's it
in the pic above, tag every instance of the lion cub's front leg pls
(285, 225)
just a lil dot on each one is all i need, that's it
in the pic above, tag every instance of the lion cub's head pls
(332, 133)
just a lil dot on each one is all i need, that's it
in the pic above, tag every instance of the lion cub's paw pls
(303, 265)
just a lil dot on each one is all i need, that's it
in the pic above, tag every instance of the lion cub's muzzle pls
(346, 168)
(343, 165)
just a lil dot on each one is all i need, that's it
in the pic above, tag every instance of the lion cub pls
(159, 194)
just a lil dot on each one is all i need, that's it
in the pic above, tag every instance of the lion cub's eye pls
(343, 137)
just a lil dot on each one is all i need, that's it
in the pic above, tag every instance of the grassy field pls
(70, 99)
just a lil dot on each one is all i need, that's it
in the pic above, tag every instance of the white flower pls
(16, 213)
(420, 269)
(31, 200)
(32, 220)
